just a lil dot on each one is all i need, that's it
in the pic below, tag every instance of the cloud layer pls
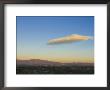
(69, 39)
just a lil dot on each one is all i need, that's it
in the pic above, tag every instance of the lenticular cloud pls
(69, 39)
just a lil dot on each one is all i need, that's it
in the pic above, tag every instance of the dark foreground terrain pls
(48, 67)
(55, 70)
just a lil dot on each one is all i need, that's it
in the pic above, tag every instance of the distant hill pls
(38, 62)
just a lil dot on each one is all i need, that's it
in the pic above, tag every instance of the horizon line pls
(55, 61)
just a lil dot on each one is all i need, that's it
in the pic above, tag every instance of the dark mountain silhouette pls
(38, 62)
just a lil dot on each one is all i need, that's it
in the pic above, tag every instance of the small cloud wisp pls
(69, 39)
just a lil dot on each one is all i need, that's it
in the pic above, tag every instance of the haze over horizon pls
(71, 38)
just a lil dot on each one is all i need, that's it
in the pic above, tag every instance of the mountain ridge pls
(39, 62)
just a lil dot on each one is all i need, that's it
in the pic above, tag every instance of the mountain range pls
(38, 62)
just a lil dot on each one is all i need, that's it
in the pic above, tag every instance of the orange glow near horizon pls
(59, 59)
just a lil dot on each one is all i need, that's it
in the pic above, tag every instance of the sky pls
(34, 34)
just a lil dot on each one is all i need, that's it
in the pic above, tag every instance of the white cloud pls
(69, 39)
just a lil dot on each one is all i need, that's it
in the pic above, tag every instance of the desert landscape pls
(55, 45)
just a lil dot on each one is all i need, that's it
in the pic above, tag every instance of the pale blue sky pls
(33, 33)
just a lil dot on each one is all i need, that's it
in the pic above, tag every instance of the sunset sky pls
(55, 38)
